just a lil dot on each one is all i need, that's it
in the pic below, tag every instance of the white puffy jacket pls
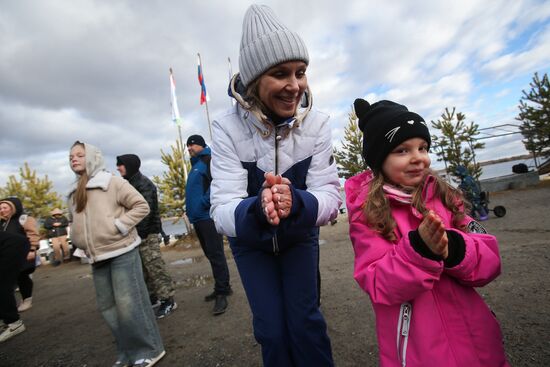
(244, 148)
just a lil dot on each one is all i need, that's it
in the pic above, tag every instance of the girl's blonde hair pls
(378, 212)
(80, 196)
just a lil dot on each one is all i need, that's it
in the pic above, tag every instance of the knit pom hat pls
(266, 42)
(385, 125)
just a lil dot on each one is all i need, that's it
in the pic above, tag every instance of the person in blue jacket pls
(274, 183)
(197, 202)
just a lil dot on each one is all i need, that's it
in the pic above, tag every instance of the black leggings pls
(10, 266)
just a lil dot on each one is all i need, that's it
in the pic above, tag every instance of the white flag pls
(173, 101)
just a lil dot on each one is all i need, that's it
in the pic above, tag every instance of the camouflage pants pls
(159, 282)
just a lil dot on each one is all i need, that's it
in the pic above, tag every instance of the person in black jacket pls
(13, 252)
(14, 220)
(56, 225)
(159, 282)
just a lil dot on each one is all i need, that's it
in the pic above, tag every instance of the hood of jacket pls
(131, 162)
(206, 151)
(95, 166)
(16, 206)
(94, 160)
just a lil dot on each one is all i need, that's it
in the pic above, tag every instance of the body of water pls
(504, 168)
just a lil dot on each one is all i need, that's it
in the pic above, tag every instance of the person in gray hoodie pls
(105, 210)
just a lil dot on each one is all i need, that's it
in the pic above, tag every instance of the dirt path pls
(64, 327)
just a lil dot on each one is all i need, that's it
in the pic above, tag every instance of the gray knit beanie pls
(266, 42)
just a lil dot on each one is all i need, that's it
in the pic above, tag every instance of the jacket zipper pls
(403, 326)
(87, 234)
(277, 138)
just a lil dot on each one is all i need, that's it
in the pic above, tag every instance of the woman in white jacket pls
(274, 183)
(104, 211)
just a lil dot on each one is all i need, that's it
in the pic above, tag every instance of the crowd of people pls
(268, 182)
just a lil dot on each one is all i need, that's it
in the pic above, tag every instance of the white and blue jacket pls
(245, 148)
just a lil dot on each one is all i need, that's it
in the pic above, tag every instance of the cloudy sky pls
(97, 71)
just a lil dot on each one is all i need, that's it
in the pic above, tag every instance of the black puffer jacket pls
(151, 223)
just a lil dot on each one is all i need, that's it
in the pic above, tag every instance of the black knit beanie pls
(385, 125)
(196, 139)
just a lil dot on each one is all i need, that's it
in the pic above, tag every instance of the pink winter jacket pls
(426, 314)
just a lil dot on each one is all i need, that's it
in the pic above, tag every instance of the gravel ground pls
(64, 327)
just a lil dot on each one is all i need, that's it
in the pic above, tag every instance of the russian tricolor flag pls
(204, 95)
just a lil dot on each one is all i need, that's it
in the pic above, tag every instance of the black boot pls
(220, 305)
(212, 296)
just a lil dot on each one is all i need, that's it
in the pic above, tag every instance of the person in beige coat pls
(105, 210)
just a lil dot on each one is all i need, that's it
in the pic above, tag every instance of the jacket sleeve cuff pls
(421, 248)
(262, 219)
(121, 227)
(457, 249)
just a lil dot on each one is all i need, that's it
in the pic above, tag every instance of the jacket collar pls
(101, 180)
(204, 152)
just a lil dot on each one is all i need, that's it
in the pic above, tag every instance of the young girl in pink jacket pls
(417, 254)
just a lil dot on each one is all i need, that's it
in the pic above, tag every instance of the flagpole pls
(182, 154)
(206, 101)
(177, 120)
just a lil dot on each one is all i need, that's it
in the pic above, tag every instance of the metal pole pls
(182, 154)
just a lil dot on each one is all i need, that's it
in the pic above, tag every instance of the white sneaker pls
(12, 330)
(25, 305)
(149, 362)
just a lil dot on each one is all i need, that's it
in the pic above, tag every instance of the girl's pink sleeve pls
(481, 263)
(389, 273)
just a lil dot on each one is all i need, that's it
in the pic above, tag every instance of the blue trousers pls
(282, 293)
(123, 301)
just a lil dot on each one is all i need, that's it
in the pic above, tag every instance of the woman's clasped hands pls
(276, 198)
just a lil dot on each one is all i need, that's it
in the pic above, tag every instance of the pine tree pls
(172, 183)
(535, 116)
(349, 158)
(458, 144)
(35, 193)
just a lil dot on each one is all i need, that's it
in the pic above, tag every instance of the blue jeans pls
(282, 293)
(123, 301)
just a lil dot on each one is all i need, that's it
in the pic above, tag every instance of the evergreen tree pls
(458, 142)
(35, 193)
(349, 159)
(172, 183)
(535, 116)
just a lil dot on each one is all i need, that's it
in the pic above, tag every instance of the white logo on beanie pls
(410, 122)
